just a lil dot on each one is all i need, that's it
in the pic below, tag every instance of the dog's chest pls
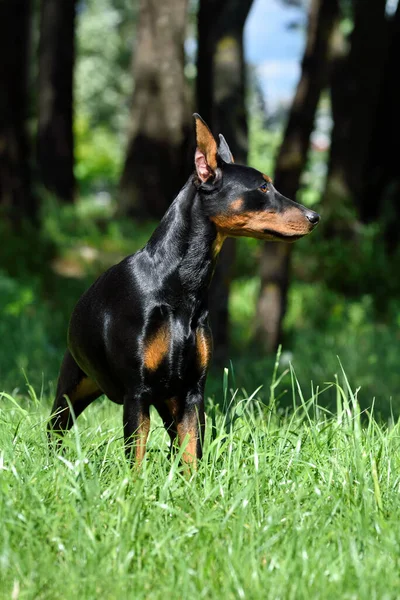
(175, 352)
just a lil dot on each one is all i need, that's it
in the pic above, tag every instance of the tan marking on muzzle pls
(291, 222)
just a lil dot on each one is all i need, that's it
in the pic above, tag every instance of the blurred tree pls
(15, 178)
(55, 146)
(380, 194)
(220, 96)
(355, 84)
(290, 163)
(157, 157)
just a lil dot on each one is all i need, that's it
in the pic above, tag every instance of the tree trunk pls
(275, 258)
(356, 76)
(55, 148)
(157, 157)
(221, 102)
(16, 199)
(208, 14)
(381, 184)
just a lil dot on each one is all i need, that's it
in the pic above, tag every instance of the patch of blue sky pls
(274, 48)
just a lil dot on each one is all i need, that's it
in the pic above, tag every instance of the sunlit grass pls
(286, 504)
(291, 500)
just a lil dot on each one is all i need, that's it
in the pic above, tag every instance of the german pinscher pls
(140, 334)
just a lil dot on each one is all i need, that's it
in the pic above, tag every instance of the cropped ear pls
(206, 152)
(224, 150)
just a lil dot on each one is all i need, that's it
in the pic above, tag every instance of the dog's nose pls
(312, 216)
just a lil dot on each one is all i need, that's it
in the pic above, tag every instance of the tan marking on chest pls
(156, 348)
(203, 348)
(217, 243)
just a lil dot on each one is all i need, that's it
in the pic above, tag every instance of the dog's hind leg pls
(136, 421)
(80, 390)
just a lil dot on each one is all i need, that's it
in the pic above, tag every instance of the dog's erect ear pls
(206, 152)
(224, 150)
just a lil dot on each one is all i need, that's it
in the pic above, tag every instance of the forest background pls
(297, 494)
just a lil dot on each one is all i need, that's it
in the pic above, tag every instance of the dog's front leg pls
(136, 427)
(190, 428)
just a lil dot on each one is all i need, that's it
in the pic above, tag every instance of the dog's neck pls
(187, 242)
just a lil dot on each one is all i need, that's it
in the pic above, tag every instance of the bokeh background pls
(96, 137)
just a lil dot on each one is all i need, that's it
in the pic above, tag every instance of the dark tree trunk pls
(208, 13)
(157, 156)
(221, 102)
(366, 59)
(380, 195)
(275, 258)
(221, 72)
(16, 199)
(356, 77)
(55, 147)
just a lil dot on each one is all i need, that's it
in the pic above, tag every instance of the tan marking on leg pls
(203, 348)
(188, 430)
(156, 348)
(141, 438)
(173, 407)
(86, 387)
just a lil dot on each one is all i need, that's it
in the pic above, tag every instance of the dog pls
(140, 334)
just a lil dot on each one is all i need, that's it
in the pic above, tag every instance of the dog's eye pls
(264, 188)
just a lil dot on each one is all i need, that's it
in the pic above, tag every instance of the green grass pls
(298, 493)
(286, 504)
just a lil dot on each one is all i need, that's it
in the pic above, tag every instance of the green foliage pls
(353, 263)
(103, 87)
(103, 79)
(15, 296)
(98, 156)
(321, 326)
(27, 346)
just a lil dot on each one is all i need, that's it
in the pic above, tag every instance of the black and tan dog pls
(140, 333)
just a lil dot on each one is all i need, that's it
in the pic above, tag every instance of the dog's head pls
(242, 201)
